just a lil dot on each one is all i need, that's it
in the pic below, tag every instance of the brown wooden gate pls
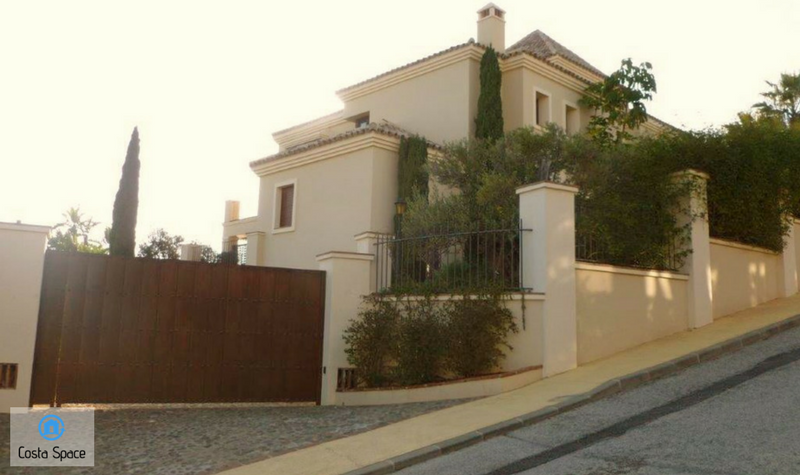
(132, 330)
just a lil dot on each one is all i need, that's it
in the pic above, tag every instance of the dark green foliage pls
(755, 178)
(618, 102)
(420, 342)
(122, 239)
(370, 340)
(161, 245)
(406, 341)
(621, 187)
(487, 175)
(477, 332)
(629, 204)
(412, 174)
(489, 121)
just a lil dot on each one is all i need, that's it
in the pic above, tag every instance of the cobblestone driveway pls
(209, 440)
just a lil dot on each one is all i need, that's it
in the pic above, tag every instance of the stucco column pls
(231, 211)
(191, 252)
(548, 266)
(789, 264)
(22, 249)
(256, 243)
(347, 280)
(366, 244)
(694, 212)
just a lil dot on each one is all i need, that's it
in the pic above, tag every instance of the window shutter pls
(287, 205)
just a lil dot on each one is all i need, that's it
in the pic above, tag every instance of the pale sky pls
(208, 82)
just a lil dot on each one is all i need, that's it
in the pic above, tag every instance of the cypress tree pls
(489, 122)
(412, 173)
(122, 238)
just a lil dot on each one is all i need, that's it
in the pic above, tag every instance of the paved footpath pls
(207, 440)
(739, 414)
(396, 446)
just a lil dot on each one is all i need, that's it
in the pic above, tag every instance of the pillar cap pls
(368, 235)
(355, 256)
(547, 185)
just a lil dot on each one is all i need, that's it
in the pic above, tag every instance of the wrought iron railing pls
(449, 261)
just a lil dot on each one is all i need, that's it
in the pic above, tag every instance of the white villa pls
(336, 176)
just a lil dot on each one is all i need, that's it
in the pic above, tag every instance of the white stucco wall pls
(21, 265)
(519, 87)
(335, 199)
(742, 277)
(621, 308)
(527, 343)
(439, 105)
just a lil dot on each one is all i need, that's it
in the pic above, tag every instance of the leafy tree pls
(122, 240)
(489, 122)
(783, 101)
(73, 234)
(618, 101)
(161, 245)
(207, 254)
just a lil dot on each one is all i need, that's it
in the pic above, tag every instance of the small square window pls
(362, 121)
(8, 375)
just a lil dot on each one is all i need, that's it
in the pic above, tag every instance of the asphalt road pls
(739, 415)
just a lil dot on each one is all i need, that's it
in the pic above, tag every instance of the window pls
(572, 121)
(284, 206)
(542, 109)
(8, 376)
(287, 205)
(362, 121)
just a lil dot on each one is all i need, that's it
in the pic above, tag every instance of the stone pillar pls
(365, 244)
(256, 243)
(789, 264)
(22, 250)
(698, 262)
(191, 252)
(347, 280)
(548, 266)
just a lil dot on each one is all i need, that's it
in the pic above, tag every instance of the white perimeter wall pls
(21, 264)
(742, 276)
(619, 308)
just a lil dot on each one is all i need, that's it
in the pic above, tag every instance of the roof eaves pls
(544, 60)
(386, 129)
(408, 65)
(308, 122)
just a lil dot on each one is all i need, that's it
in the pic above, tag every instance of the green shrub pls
(370, 338)
(420, 340)
(477, 330)
(420, 343)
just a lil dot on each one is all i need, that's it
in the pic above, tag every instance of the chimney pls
(492, 27)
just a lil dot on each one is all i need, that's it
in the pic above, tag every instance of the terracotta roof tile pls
(542, 46)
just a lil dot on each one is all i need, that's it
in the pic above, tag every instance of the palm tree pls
(77, 226)
(783, 101)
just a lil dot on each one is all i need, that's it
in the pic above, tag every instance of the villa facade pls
(336, 176)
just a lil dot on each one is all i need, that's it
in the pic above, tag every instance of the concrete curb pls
(606, 389)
